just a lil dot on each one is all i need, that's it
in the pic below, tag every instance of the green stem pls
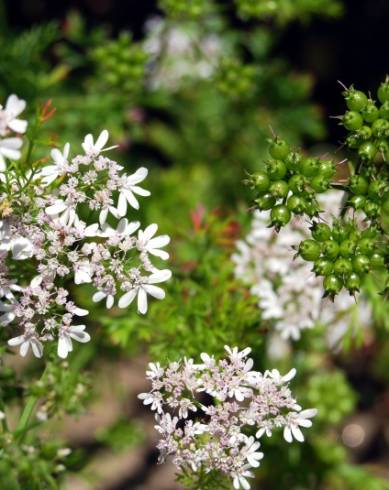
(22, 427)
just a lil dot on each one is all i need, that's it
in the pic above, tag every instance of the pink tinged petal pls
(132, 200)
(142, 301)
(154, 291)
(16, 341)
(298, 435)
(288, 435)
(140, 191)
(127, 298)
(18, 125)
(56, 208)
(160, 276)
(37, 348)
(63, 348)
(137, 176)
(102, 139)
(98, 296)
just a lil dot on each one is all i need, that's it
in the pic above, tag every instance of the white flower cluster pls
(213, 436)
(10, 126)
(54, 231)
(178, 54)
(288, 292)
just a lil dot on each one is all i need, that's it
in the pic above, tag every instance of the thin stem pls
(22, 427)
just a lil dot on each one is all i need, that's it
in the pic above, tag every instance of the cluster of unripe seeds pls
(368, 123)
(121, 63)
(289, 183)
(343, 254)
(235, 79)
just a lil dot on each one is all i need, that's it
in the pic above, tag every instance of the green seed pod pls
(297, 184)
(279, 149)
(311, 208)
(343, 267)
(347, 248)
(358, 202)
(366, 246)
(384, 110)
(319, 183)
(323, 267)
(292, 161)
(262, 182)
(358, 184)
(370, 112)
(355, 99)
(353, 282)
(361, 264)
(279, 189)
(327, 168)
(296, 204)
(383, 91)
(265, 202)
(377, 260)
(371, 209)
(309, 250)
(320, 232)
(309, 166)
(367, 151)
(332, 284)
(330, 249)
(280, 216)
(352, 120)
(375, 189)
(364, 133)
(276, 169)
(380, 128)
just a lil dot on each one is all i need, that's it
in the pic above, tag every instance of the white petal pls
(24, 348)
(16, 341)
(98, 296)
(18, 125)
(56, 208)
(288, 434)
(150, 231)
(160, 276)
(154, 291)
(62, 350)
(102, 139)
(137, 176)
(127, 298)
(142, 301)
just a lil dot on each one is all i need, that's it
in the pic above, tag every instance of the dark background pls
(353, 49)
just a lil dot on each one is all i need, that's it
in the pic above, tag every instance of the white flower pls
(147, 243)
(51, 172)
(94, 149)
(65, 212)
(8, 313)
(249, 451)
(234, 353)
(109, 298)
(22, 248)
(83, 272)
(124, 228)
(9, 116)
(240, 479)
(145, 288)
(66, 334)
(155, 371)
(152, 399)
(129, 188)
(278, 378)
(26, 341)
(9, 148)
(297, 420)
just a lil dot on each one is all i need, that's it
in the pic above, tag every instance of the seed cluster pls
(342, 254)
(289, 183)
